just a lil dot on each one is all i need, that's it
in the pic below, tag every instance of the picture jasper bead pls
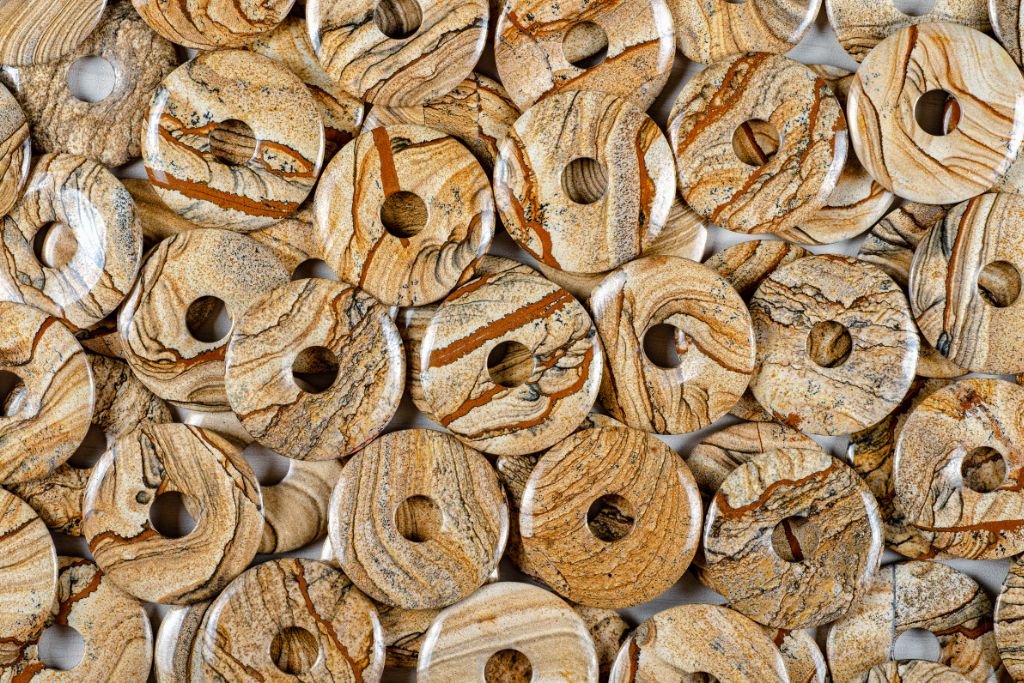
(40, 32)
(911, 671)
(1009, 625)
(212, 24)
(15, 150)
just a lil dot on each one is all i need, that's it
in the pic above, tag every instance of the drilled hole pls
(315, 369)
(54, 245)
(207, 319)
(12, 393)
(294, 650)
(418, 519)
(403, 214)
(755, 142)
(662, 345)
(915, 8)
(983, 470)
(169, 517)
(91, 79)
(233, 142)
(93, 446)
(933, 112)
(398, 19)
(829, 344)
(510, 364)
(999, 284)
(585, 45)
(795, 539)
(585, 180)
(917, 643)
(314, 267)
(269, 467)
(508, 666)
(610, 517)
(61, 647)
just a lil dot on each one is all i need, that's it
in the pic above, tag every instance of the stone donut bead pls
(267, 174)
(917, 595)
(713, 337)
(895, 148)
(384, 54)
(212, 24)
(219, 490)
(584, 181)
(40, 32)
(776, 196)
(108, 131)
(174, 646)
(542, 48)
(15, 150)
(404, 212)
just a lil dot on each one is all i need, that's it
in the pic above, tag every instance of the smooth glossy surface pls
(213, 24)
(711, 30)
(15, 150)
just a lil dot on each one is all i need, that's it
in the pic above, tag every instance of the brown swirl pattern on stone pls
(15, 150)
(40, 32)
(479, 112)
(658, 513)
(174, 646)
(503, 616)
(47, 412)
(404, 212)
(318, 625)
(776, 195)
(693, 639)
(965, 284)
(707, 32)
(280, 142)
(108, 131)
(860, 25)
(972, 420)
(584, 181)
(398, 53)
(80, 205)
(545, 48)
(713, 339)
(435, 535)
(1009, 620)
(890, 245)
(122, 404)
(212, 24)
(28, 571)
(180, 271)
(836, 345)
(513, 406)
(219, 490)
(792, 518)
(116, 635)
(897, 151)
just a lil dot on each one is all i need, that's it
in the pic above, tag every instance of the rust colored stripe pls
(388, 174)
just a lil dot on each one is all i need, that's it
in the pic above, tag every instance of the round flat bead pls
(40, 32)
(15, 150)
(212, 24)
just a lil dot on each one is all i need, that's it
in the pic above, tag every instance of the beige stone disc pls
(212, 24)
(40, 32)
(1009, 625)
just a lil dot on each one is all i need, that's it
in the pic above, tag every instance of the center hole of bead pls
(914, 8)
(315, 369)
(610, 517)
(795, 539)
(917, 643)
(585, 45)
(168, 515)
(269, 467)
(508, 666)
(398, 18)
(585, 180)
(418, 519)
(937, 112)
(829, 344)
(207, 319)
(54, 245)
(93, 446)
(983, 469)
(510, 364)
(12, 392)
(403, 214)
(294, 650)
(664, 345)
(755, 142)
(999, 284)
(233, 142)
(61, 647)
(91, 79)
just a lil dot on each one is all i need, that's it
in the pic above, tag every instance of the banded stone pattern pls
(896, 150)
(713, 338)
(414, 259)
(930, 489)
(180, 629)
(546, 205)
(504, 616)
(1008, 25)
(789, 311)
(15, 150)
(287, 140)
(800, 653)
(833, 571)
(556, 331)
(40, 32)
(220, 492)
(707, 32)
(285, 595)
(47, 415)
(157, 344)
(661, 519)
(911, 671)
(675, 643)
(212, 24)
(780, 195)
(451, 553)
(108, 131)
(355, 45)
(404, 631)
(1009, 620)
